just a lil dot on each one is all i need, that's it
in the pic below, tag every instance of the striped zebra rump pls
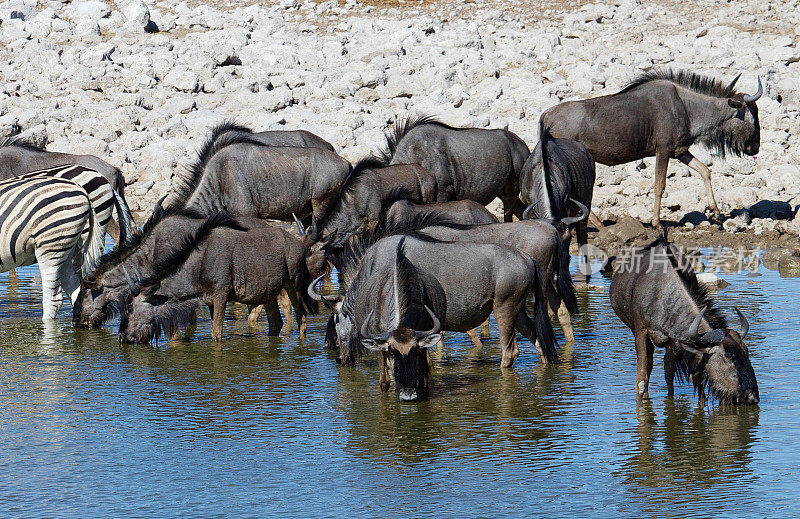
(46, 217)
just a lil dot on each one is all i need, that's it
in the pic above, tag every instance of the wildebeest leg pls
(508, 337)
(583, 238)
(486, 330)
(669, 369)
(556, 306)
(595, 221)
(644, 362)
(286, 303)
(383, 378)
(473, 334)
(299, 310)
(220, 301)
(253, 313)
(273, 318)
(691, 161)
(662, 161)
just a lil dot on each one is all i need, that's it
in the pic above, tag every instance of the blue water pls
(261, 426)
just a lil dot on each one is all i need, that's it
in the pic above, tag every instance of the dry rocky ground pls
(140, 84)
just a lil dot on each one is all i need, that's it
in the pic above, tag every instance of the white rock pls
(137, 14)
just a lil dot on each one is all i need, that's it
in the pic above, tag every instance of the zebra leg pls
(51, 288)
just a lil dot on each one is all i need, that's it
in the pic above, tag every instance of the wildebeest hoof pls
(407, 395)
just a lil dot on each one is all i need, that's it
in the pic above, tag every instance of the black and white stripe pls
(50, 221)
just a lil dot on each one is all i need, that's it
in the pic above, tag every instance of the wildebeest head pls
(150, 316)
(741, 132)
(100, 299)
(720, 360)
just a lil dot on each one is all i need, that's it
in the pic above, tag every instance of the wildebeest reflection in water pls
(690, 447)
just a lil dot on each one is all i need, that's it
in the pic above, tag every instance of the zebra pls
(100, 191)
(42, 220)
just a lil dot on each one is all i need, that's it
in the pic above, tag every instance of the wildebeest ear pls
(735, 103)
(374, 345)
(699, 350)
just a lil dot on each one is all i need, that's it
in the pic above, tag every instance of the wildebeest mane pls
(401, 127)
(358, 172)
(170, 316)
(222, 135)
(691, 80)
(123, 251)
(18, 141)
(173, 260)
(409, 225)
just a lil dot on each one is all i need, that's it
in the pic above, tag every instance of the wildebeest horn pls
(313, 235)
(733, 83)
(436, 325)
(712, 337)
(575, 219)
(753, 98)
(378, 338)
(312, 292)
(131, 285)
(745, 326)
(299, 225)
(527, 212)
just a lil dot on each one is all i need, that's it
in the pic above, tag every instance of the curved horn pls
(745, 326)
(131, 285)
(733, 83)
(753, 98)
(527, 212)
(711, 337)
(437, 326)
(316, 296)
(313, 235)
(299, 225)
(575, 219)
(380, 338)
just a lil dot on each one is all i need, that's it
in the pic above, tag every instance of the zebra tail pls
(93, 248)
(124, 218)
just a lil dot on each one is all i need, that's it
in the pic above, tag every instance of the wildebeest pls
(539, 240)
(19, 156)
(106, 290)
(661, 114)
(408, 283)
(657, 295)
(249, 265)
(296, 138)
(465, 212)
(367, 193)
(42, 220)
(236, 172)
(469, 163)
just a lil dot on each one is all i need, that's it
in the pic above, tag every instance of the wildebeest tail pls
(553, 208)
(544, 327)
(124, 218)
(564, 285)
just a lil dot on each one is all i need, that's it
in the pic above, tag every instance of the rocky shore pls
(140, 84)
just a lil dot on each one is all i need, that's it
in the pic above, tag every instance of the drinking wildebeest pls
(539, 240)
(661, 114)
(657, 295)
(250, 265)
(42, 221)
(404, 284)
(365, 196)
(19, 156)
(238, 173)
(105, 291)
(469, 163)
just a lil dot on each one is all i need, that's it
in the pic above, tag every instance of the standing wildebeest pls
(556, 171)
(106, 290)
(296, 138)
(465, 212)
(43, 220)
(657, 295)
(367, 193)
(18, 156)
(249, 265)
(390, 284)
(661, 114)
(469, 163)
(236, 172)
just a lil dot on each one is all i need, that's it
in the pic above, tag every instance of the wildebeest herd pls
(416, 250)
